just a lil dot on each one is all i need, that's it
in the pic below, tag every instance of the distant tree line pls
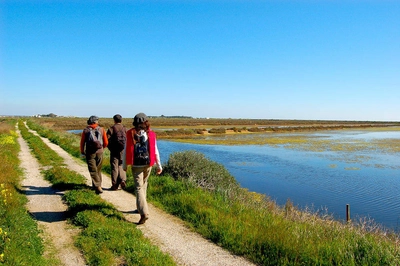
(48, 115)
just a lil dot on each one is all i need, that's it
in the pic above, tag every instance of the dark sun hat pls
(93, 120)
(139, 118)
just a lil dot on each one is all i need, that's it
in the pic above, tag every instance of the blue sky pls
(325, 60)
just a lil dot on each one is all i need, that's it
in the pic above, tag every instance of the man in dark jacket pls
(116, 143)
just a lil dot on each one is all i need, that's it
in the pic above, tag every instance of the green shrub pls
(195, 168)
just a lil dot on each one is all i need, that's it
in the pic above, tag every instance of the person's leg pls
(121, 172)
(91, 160)
(141, 175)
(146, 175)
(99, 164)
(114, 163)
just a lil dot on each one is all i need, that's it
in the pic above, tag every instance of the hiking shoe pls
(143, 219)
(114, 187)
(123, 184)
(99, 190)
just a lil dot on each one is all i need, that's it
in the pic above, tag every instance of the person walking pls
(93, 142)
(141, 153)
(116, 144)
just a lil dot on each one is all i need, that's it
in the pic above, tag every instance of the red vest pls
(130, 146)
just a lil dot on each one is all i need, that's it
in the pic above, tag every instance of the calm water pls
(316, 180)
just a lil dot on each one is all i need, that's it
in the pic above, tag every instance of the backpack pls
(141, 151)
(94, 139)
(118, 139)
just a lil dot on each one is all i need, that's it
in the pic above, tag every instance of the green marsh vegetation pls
(252, 225)
(106, 237)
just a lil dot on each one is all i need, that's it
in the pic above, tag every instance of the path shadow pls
(34, 190)
(49, 217)
(44, 216)
(131, 212)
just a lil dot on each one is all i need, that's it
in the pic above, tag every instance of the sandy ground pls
(164, 230)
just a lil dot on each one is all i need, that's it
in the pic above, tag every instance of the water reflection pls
(367, 179)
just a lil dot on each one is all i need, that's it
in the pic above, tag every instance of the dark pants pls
(117, 173)
(95, 162)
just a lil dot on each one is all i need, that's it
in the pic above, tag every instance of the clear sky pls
(325, 60)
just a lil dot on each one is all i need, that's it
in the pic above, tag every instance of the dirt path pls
(164, 230)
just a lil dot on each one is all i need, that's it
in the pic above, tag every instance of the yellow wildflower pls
(13, 133)
(6, 140)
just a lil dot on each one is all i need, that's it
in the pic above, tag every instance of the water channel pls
(361, 169)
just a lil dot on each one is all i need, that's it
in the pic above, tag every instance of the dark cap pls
(92, 120)
(139, 118)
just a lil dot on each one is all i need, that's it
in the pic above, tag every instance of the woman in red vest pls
(141, 153)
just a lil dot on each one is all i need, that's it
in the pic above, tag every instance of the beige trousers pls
(141, 175)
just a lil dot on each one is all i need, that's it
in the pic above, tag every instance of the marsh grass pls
(106, 237)
(252, 225)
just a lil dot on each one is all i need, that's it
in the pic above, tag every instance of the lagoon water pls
(318, 180)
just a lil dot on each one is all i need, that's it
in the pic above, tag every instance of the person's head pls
(117, 118)
(93, 120)
(140, 121)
